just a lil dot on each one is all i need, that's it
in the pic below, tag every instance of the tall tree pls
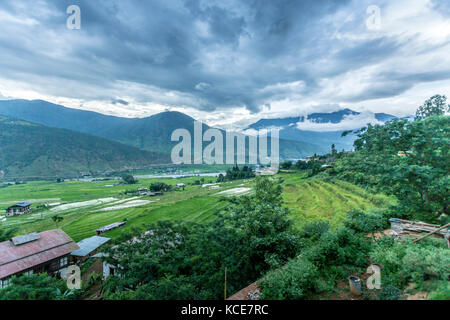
(435, 106)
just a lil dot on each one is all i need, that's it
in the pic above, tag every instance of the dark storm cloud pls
(202, 54)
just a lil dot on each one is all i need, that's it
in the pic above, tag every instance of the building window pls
(63, 262)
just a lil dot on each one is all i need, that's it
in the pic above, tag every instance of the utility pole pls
(225, 289)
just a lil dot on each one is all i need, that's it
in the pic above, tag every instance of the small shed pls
(110, 227)
(89, 247)
(19, 209)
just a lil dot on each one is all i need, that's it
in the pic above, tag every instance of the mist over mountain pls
(322, 128)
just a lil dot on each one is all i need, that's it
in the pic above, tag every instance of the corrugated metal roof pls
(111, 226)
(22, 204)
(50, 245)
(19, 240)
(88, 245)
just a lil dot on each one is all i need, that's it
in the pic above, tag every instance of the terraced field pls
(315, 199)
(91, 205)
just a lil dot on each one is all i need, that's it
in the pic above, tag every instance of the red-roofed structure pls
(35, 253)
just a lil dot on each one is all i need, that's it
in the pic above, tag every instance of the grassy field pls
(315, 199)
(195, 203)
(308, 199)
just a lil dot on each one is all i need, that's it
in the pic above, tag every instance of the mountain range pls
(328, 127)
(29, 150)
(40, 138)
(144, 134)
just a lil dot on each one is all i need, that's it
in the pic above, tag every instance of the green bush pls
(312, 231)
(404, 262)
(442, 292)
(390, 293)
(297, 280)
(329, 259)
(365, 222)
(33, 287)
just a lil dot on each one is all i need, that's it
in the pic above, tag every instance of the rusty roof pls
(51, 245)
(244, 294)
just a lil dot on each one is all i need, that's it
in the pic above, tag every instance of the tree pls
(129, 179)
(286, 165)
(236, 173)
(333, 149)
(160, 186)
(301, 165)
(435, 106)
(408, 159)
(187, 260)
(6, 234)
(57, 219)
(33, 287)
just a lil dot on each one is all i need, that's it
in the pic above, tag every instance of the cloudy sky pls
(227, 62)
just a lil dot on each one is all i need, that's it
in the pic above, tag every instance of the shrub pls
(390, 293)
(365, 222)
(297, 280)
(407, 262)
(442, 292)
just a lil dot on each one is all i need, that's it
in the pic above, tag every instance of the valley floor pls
(86, 206)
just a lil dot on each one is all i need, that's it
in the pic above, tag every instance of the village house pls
(311, 158)
(48, 251)
(19, 209)
(88, 248)
(143, 191)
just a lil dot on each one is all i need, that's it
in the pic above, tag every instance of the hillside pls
(150, 133)
(29, 150)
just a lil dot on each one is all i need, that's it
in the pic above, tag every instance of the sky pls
(229, 62)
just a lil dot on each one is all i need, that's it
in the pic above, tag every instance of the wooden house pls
(48, 251)
(19, 209)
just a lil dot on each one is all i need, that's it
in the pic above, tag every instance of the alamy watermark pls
(73, 22)
(374, 281)
(373, 22)
(73, 277)
(236, 148)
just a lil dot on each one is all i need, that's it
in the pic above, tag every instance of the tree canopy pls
(187, 261)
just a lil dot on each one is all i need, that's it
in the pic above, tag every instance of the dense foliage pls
(237, 173)
(408, 159)
(327, 256)
(129, 179)
(6, 234)
(34, 287)
(188, 260)
(160, 186)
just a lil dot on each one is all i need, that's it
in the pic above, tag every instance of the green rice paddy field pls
(87, 206)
